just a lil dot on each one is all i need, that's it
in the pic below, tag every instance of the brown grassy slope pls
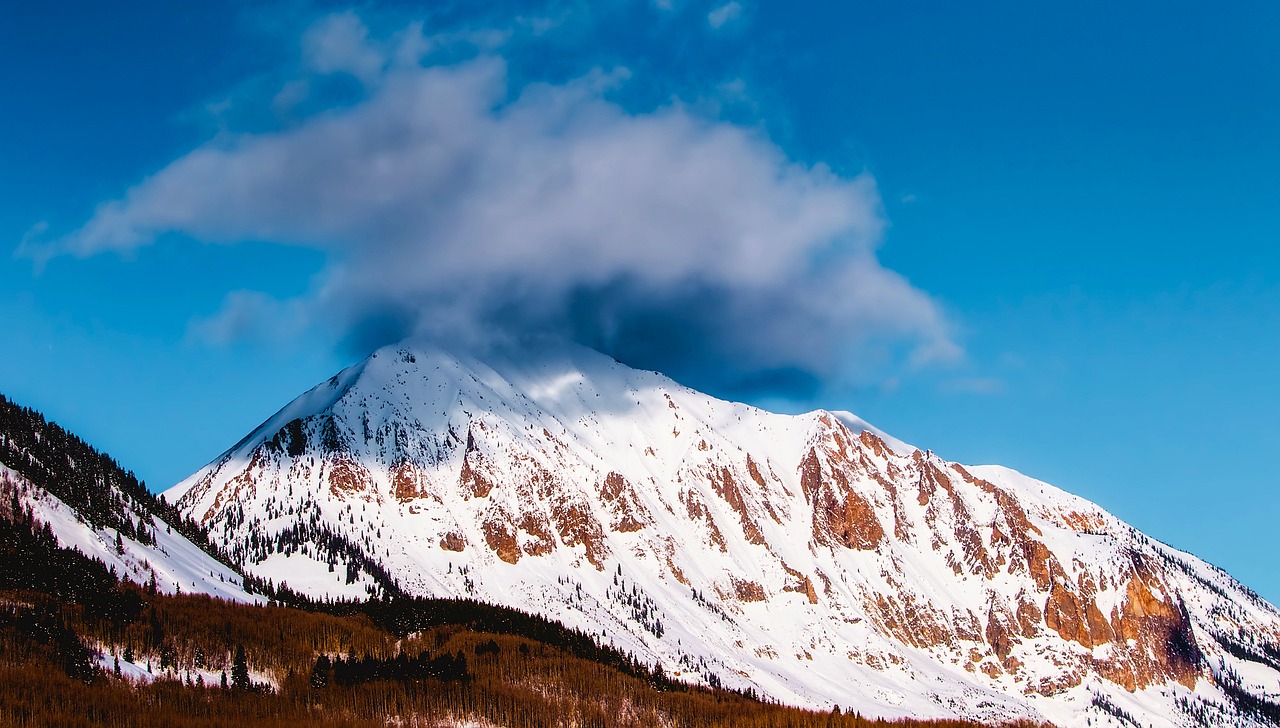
(523, 683)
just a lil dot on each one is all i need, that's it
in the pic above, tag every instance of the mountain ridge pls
(809, 557)
(95, 506)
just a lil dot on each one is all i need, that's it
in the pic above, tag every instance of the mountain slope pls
(96, 507)
(808, 557)
(80, 646)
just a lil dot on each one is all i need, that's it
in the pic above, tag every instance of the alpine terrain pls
(90, 504)
(117, 611)
(810, 558)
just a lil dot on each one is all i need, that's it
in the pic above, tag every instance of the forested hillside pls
(102, 493)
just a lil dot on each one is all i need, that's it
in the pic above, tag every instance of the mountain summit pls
(810, 558)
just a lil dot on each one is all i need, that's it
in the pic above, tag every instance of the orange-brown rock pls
(1164, 645)
(501, 537)
(1054, 684)
(541, 483)
(925, 487)
(754, 472)
(452, 541)
(901, 524)
(748, 591)
(803, 584)
(724, 485)
(978, 560)
(1039, 562)
(1064, 613)
(913, 623)
(874, 443)
(809, 591)
(810, 475)
(1012, 665)
(627, 523)
(472, 477)
(614, 486)
(576, 525)
(239, 487)
(840, 515)
(1001, 630)
(966, 625)
(697, 510)
(854, 522)
(1083, 522)
(540, 540)
(671, 566)
(1029, 618)
(629, 515)
(348, 476)
(405, 482)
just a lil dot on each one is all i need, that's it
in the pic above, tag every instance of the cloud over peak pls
(454, 206)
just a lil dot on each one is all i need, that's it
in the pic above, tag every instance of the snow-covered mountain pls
(811, 558)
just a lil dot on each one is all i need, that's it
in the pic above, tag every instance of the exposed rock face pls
(840, 515)
(472, 477)
(348, 477)
(406, 482)
(749, 591)
(501, 537)
(453, 542)
(629, 513)
(720, 539)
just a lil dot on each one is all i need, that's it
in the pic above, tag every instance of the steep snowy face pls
(153, 553)
(809, 557)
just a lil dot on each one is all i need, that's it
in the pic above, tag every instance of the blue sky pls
(1068, 215)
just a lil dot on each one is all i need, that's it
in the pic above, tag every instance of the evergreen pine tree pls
(239, 670)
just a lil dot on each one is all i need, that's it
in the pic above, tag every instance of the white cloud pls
(251, 316)
(340, 43)
(673, 241)
(724, 14)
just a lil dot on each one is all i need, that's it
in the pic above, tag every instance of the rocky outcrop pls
(501, 537)
(841, 516)
(453, 542)
(472, 476)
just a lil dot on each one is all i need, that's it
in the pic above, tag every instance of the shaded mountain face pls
(811, 557)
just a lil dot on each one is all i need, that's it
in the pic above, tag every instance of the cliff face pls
(810, 557)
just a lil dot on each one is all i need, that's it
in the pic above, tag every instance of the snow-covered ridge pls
(811, 557)
(174, 563)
